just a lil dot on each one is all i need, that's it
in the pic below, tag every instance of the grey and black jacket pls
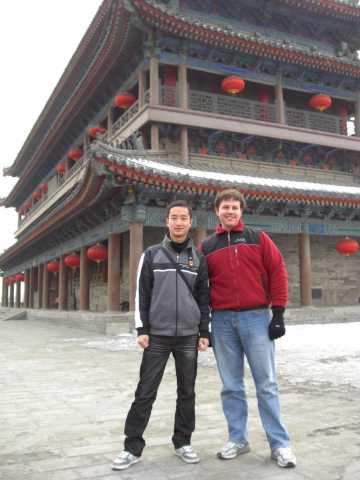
(164, 304)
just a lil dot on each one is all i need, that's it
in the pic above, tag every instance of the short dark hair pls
(178, 203)
(230, 194)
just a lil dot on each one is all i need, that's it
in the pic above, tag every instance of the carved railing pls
(47, 197)
(240, 107)
(226, 105)
(268, 170)
(315, 121)
(126, 117)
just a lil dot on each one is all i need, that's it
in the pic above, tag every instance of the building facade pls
(180, 99)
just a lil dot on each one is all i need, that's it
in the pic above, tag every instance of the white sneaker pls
(284, 457)
(124, 460)
(231, 450)
(187, 454)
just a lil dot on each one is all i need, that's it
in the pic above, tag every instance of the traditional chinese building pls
(179, 99)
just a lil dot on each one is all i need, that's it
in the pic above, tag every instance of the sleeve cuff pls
(204, 334)
(142, 331)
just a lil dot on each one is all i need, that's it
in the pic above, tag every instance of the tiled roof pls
(151, 172)
(183, 24)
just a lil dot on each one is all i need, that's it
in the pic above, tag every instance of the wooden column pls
(11, 299)
(18, 294)
(6, 304)
(45, 288)
(113, 284)
(40, 285)
(141, 88)
(136, 249)
(26, 288)
(305, 269)
(3, 293)
(183, 85)
(62, 286)
(199, 236)
(155, 137)
(154, 81)
(183, 100)
(84, 280)
(31, 287)
(279, 102)
(184, 142)
(357, 114)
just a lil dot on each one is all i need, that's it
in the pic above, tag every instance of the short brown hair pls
(178, 203)
(230, 194)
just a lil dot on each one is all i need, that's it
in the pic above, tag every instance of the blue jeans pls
(233, 335)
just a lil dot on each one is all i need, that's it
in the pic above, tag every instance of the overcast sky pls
(37, 38)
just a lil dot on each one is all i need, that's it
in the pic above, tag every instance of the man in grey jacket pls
(172, 316)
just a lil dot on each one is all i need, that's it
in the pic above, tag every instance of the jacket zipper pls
(176, 301)
(231, 258)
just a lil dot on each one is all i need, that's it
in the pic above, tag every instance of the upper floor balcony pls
(57, 187)
(236, 114)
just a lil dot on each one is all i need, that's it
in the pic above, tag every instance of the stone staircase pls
(12, 314)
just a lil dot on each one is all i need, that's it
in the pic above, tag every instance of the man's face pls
(229, 213)
(179, 224)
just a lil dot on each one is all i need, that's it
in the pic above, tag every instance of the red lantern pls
(75, 154)
(320, 102)
(233, 85)
(347, 246)
(12, 279)
(72, 261)
(97, 253)
(36, 195)
(61, 168)
(124, 100)
(93, 131)
(43, 187)
(53, 266)
(20, 277)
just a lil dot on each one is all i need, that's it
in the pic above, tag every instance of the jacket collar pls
(238, 228)
(167, 243)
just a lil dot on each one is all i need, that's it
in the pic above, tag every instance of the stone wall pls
(289, 247)
(335, 278)
(335, 275)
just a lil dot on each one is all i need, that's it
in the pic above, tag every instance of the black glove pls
(277, 327)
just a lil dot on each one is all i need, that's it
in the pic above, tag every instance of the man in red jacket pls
(247, 276)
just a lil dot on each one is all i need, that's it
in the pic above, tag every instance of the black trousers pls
(155, 357)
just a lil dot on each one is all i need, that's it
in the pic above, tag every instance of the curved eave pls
(183, 28)
(180, 183)
(106, 57)
(85, 197)
(326, 7)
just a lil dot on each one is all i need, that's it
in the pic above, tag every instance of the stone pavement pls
(65, 394)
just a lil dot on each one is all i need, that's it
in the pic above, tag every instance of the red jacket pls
(246, 270)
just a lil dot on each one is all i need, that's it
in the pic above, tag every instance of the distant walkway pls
(65, 394)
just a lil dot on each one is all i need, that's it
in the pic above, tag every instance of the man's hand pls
(203, 344)
(143, 341)
(277, 326)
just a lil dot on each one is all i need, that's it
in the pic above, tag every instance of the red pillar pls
(84, 279)
(113, 284)
(136, 249)
(62, 292)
